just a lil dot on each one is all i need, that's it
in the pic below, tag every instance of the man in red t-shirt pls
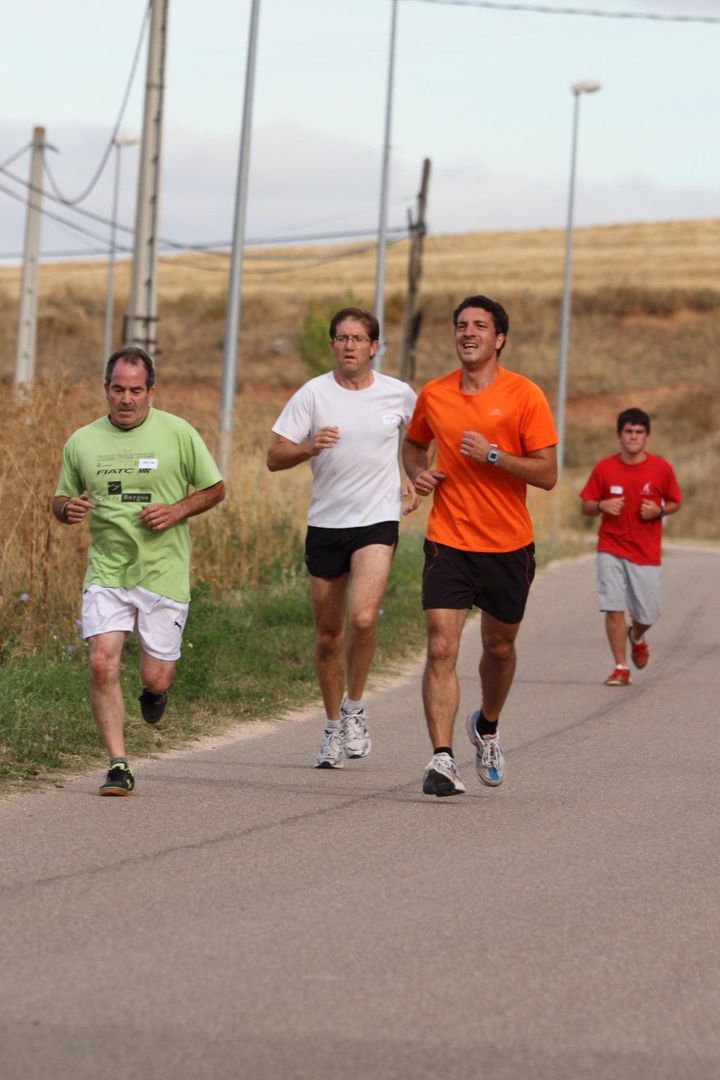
(633, 491)
(494, 435)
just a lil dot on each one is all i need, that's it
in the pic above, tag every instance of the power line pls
(544, 9)
(16, 155)
(108, 149)
(209, 246)
(56, 217)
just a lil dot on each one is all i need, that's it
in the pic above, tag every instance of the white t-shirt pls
(357, 481)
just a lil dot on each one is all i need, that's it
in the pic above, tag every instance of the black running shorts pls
(328, 551)
(497, 583)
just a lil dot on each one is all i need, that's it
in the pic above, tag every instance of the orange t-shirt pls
(478, 507)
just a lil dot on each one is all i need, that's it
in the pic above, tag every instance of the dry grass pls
(42, 562)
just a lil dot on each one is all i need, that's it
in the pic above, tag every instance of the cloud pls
(306, 183)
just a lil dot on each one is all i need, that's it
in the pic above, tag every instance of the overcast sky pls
(483, 93)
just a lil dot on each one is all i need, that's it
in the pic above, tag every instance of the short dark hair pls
(367, 318)
(133, 355)
(500, 317)
(633, 416)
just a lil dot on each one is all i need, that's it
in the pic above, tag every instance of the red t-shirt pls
(628, 536)
(478, 507)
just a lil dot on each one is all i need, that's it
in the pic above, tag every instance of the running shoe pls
(639, 651)
(489, 758)
(119, 780)
(355, 736)
(331, 751)
(619, 676)
(152, 706)
(442, 777)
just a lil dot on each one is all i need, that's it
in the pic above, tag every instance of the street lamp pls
(586, 86)
(119, 141)
(384, 182)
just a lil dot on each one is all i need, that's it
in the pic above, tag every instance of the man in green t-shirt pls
(129, 474)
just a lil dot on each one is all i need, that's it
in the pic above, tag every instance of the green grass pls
(247, 658)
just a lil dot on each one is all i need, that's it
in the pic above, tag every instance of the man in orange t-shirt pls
(494, 435)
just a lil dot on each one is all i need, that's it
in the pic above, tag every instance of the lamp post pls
(384, 182)
(119, 141)
(586, 86)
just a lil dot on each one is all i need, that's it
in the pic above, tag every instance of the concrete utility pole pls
(232, 309)
(411, 320)
(141, 319)
(27, 312)
(119, 142)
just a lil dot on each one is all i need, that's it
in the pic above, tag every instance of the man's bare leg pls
(106, 700)
(617, 635)
(497, 664)
(328, 601)
(156, 675)
(369, 571)
(440, 687)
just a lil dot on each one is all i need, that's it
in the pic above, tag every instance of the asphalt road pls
(245, 915)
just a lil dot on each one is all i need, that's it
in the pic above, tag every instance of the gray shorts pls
(625, 586)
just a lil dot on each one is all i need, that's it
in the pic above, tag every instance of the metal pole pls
(107, 332)
(141, 319)
(232, 311)
(586, 86)
(384, 182)
(27, 311)
(565, 311)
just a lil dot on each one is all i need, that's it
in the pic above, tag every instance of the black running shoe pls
(119, 780)
(152, 706)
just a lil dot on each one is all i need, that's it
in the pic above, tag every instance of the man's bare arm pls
(159, 516)
(537, 468)
(284, 454)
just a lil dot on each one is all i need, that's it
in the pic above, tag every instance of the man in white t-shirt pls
(348, 424)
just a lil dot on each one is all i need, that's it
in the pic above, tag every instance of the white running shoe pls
(355, 735)
(489, 758)
(442, 777)
(331, 751)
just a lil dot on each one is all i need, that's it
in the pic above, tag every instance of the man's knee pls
(363, 620)
(104, 666)
(442, 649)
(156, 675)
(328, 642)
(500, 649)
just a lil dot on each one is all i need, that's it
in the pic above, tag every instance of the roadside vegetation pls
(645, 331)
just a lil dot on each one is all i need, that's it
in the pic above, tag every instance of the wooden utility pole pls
(141, 319)
(412, 317)
(27, 312)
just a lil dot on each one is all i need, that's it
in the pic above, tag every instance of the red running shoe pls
(638, 650)
(620, 676)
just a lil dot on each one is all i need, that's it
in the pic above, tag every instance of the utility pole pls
(411, 320)
(140, 321)
(27, 312)
(232, 310)
(119, 142)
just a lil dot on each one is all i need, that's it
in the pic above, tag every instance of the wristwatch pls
(492, 455)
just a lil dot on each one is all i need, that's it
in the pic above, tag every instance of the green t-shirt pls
(122, 471)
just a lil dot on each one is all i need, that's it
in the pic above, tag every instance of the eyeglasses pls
(353, 339)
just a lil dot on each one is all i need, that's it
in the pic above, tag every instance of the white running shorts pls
(156, 620)
(625, 586)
